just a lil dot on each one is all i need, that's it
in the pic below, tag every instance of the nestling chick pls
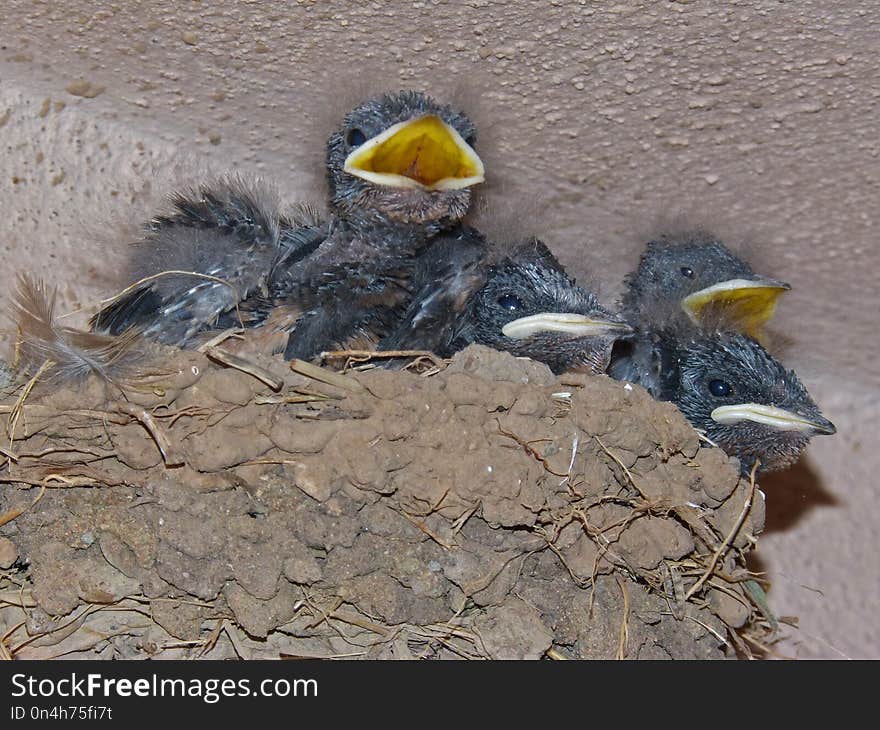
(399, 170)
(443, 279)
(403, 159)
(215, 249)
(731, 389)
(694, 274)
(522, 302)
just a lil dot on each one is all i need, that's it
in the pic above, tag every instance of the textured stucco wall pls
(760, 114)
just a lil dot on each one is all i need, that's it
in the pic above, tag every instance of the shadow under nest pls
(482, 508)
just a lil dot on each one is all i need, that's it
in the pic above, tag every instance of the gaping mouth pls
(777, 418)
(423, 153)
(749, 302)
(565, 323)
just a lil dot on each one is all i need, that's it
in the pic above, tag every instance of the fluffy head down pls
(675, 266)
(527, 283)
(361, 201)
(711, 375)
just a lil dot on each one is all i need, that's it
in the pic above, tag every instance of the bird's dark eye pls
(510, 302)
(719, 388)
(355, 137)
(687, 271)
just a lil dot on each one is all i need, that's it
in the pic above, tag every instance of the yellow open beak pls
(777, 418)
(750, 302)
(423, 153)
(565, 323)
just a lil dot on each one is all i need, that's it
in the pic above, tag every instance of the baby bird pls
(215, 248)
(400, 171)
(731, 389)
(696, 308)
(520, 301)
(694, 275)
(400, 168)
(402, 160)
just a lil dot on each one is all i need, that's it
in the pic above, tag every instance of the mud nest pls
(485, 509)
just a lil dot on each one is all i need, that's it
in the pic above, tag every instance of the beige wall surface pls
(758, 116)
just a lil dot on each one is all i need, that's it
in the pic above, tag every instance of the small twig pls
(21, 598)
(424, 528)
(232, 332)
(16, 411)
(7, 655)
(693, 519)
(326, 376)
(291, 398)
(674, 591)
(727, 540)
(169, 455)
(234, 639)
(347, 655)
(240, 363)
(463, 518)
(703, 624)
(529, 449)
(622, 466)
(624, 625)
(19, 511)
(359, 622)
(364, 355)
(324, 615)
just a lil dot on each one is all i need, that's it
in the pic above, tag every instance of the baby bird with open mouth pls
(693, 274)
(696, 309)
(400, 168)
(687, 278)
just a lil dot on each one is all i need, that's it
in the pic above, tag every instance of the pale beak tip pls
(776, 284)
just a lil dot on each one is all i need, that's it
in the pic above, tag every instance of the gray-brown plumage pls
(215, 248)
(730, 388)
(513, 298)
(691, 274)
(399, 171)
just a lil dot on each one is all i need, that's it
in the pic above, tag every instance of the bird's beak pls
(423, 153)
(565, 323)
(778, 418)
(749, 302)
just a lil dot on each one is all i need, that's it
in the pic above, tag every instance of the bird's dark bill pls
(424, 153)
(565, 323)
(746, 304)
(777, 418)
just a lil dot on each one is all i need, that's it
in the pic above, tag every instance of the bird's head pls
(696, 274)
(530, 307)
(403, 158)
(744, 400)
